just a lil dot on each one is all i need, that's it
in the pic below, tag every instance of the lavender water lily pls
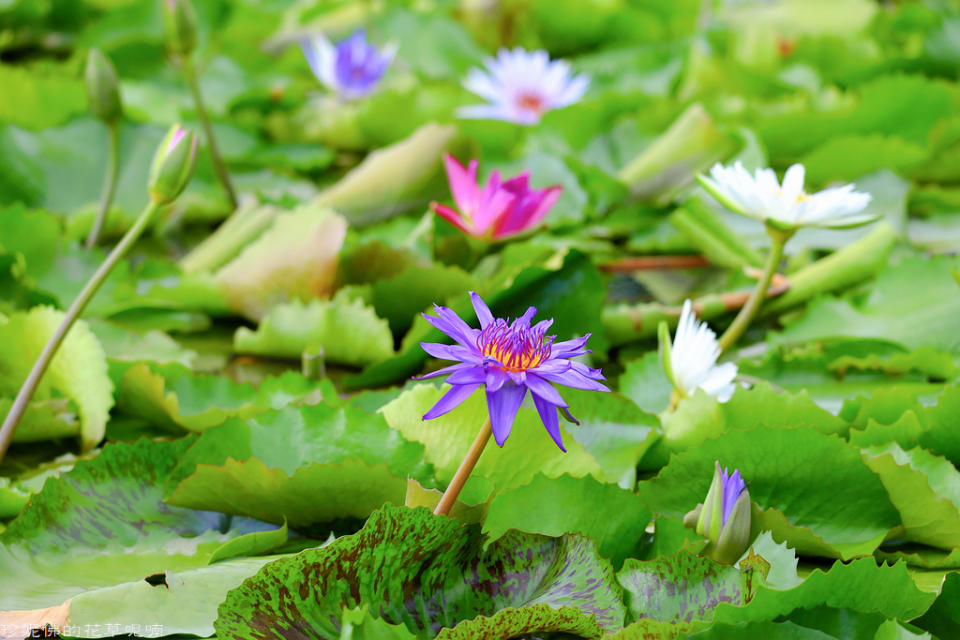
(352, 68)
(508, 359)
(724, 516)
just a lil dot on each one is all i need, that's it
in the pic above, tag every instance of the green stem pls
(219, 166)
(463, 473)
(79, 304)
(759, 294)
(109, 185)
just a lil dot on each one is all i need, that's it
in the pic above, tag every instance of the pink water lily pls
(499, 209)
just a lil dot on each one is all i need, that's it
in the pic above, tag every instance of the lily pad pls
(22, 338)
(428, 572)
(612, 516)
(829, 502)
(274, 466)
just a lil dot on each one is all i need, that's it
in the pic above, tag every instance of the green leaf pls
(520, 622)
(184, 602)
(886, 106)
(22, 338)
(943, 617)
(849, 157)
(275, 465)
(931, 427)
(428, 572)
(295, 259)
(921, 557)
(699, 416)
(613, 430)
(120, 343)
(682, 587)
(839, 623)
(101, 524)
(644, 381)
(255, 543)
(528, 451)
(176, 400)
(37, 100)
(933, 308)
(358, 624)
(348, 330)
(925, 488)
(414, 290)
(828, 501)
(860, 585)
(613, 517)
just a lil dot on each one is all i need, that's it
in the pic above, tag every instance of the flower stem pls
(29, 387)
(466, 467)
(109, 185)
(218, 164)
(752, 306)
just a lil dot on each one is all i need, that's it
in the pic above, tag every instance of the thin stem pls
(466, 467)
(109, 184)
(752, 306)
(218, 164)
(642, 263)
(79, 304)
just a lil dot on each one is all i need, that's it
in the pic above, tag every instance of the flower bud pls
(180, 22)
(724, 517)
(172, 165)
(103, 93)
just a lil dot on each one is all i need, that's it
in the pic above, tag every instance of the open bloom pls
(499, 209)
(508, 358)
(786, 206)
(521, 86)
(724, 516)
(691, 361)
(352, 68)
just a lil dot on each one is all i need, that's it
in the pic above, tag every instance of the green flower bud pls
(172, 165)
(180, 22)
(724, 517)
(103, 92)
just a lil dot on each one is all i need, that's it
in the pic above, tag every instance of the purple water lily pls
(724, 516)
(353, 68)
(508, 358)
(732, 486)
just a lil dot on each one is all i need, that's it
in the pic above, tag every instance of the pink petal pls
(463, 183)
(453, 217)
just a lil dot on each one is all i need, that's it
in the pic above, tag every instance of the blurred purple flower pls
(352, 68)
(508, 359)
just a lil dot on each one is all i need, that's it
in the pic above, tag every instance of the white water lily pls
(787, 205)
(691, 360)
(521, 86)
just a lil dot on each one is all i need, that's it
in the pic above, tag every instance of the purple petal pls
(543, 389)
(548, 414)
(524, 320)
(733, 486)
(451, 352)
(502, 406)
(495, 378)
(569, 348)
(451, 399)
(483, 311)
(451, 324)
(468, 375)
(444, 371)
(572, 379)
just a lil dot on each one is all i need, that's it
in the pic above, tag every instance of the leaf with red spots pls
(430, 573)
